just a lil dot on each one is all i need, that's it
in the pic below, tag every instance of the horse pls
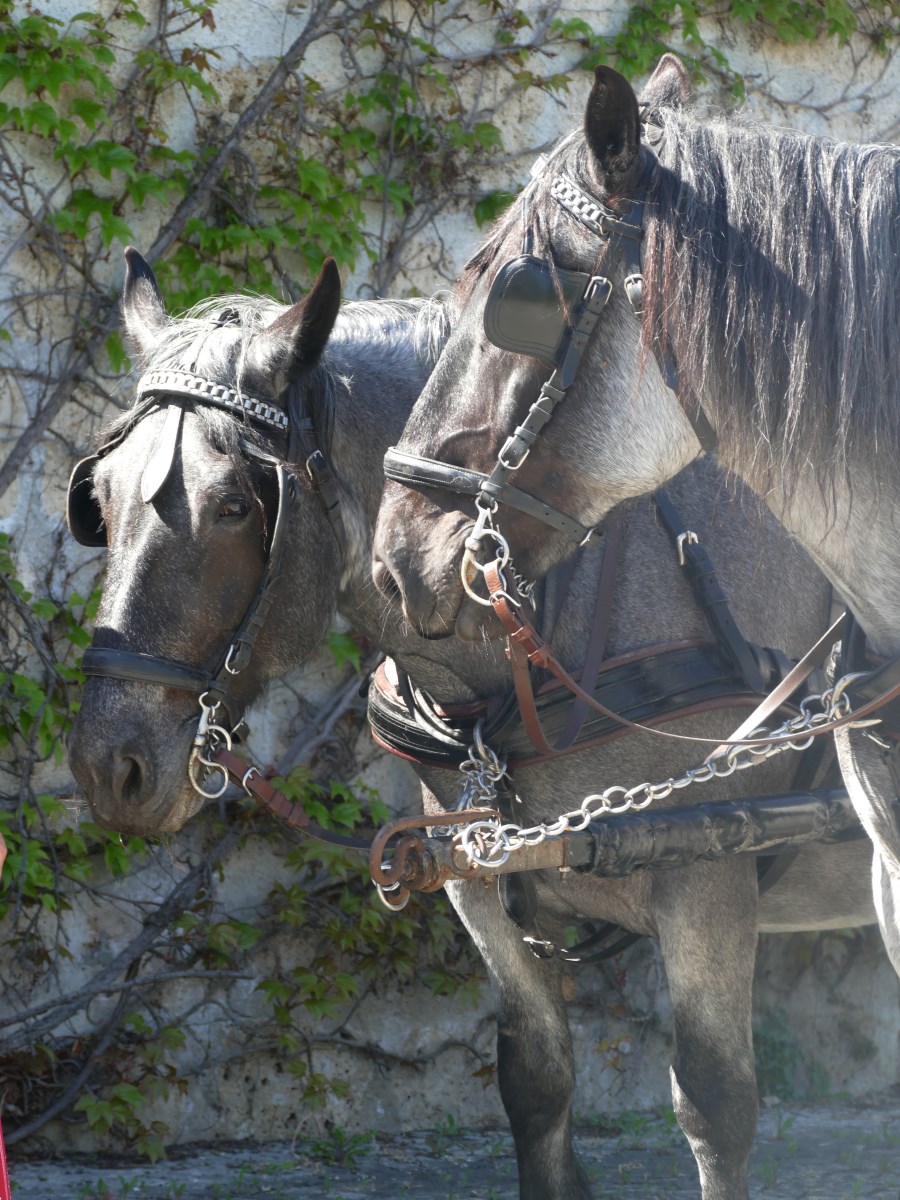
(756, 262)
(181, 490)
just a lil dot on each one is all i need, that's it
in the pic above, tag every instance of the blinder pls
(529, 306)
(83, 516)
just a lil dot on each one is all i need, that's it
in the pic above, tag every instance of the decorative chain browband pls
(184, 384)
(595, 216)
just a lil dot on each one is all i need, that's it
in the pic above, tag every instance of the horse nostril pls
(129, 777)
(387, 584)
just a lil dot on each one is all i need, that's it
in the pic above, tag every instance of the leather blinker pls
(83, 516)
(523, 313)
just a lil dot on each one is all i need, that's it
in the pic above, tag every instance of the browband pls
(183, 383)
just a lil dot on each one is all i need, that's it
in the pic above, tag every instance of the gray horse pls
(768, 280)
(184, 566)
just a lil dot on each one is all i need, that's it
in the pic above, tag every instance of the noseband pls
(168, 389)
(537, 309)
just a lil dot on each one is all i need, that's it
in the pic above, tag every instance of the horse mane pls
(769, 261)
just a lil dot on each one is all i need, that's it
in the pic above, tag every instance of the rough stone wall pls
(827, 1006)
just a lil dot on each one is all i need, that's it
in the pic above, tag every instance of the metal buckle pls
(507, 447)
(688, 536)
(598, 285)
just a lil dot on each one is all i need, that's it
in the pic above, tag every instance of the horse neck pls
(378, 361)
(852, 534)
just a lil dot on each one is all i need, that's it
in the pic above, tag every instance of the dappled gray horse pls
(769, 302)
(188, 512)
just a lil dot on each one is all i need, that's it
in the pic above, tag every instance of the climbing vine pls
(144, 124)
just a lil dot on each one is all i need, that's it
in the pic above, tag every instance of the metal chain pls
(481, 773)
(489, 844)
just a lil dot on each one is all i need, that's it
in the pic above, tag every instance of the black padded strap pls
(415, 471)
(704, 583)
(144, 668)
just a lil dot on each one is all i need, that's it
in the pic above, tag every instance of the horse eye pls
(234, 506)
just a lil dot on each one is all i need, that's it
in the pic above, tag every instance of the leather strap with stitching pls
(596, 648)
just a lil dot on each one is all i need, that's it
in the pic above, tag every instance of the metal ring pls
(197, 785)
(469, 559)
(382, 896)
(475, 538)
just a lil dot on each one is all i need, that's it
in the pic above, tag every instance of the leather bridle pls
(537, 309)
(168, 390)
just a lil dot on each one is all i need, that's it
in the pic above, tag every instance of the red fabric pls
(5, 1193)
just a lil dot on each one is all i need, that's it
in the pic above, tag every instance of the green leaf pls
(344, 649)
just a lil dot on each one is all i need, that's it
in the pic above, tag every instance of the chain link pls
(488, 843)
(481, 773)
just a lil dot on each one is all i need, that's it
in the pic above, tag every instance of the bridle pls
(537, 309)
(168, 390)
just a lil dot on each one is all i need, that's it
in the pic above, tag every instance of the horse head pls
(519, 304)
(188, 491)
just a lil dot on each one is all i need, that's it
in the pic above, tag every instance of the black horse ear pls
(612, 127)
(143, 308)
(668, 87)
(304, 329)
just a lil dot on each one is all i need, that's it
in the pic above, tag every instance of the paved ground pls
(804, 1152)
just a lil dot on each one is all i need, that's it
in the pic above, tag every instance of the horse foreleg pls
(706, 918)
(534, 1048)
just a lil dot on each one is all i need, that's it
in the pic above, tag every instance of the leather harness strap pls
(525, 643)
(521, 670)
(711, 599)
(292, 813)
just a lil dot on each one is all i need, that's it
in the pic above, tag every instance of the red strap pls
(5, 1193)
(293, 814)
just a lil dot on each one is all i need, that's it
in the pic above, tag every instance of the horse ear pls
(668, 87)
(304, 329)
(612, 128)
(143, 308)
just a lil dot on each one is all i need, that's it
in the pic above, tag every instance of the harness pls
(535, 724)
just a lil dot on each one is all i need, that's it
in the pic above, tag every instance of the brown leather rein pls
(525, 645)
